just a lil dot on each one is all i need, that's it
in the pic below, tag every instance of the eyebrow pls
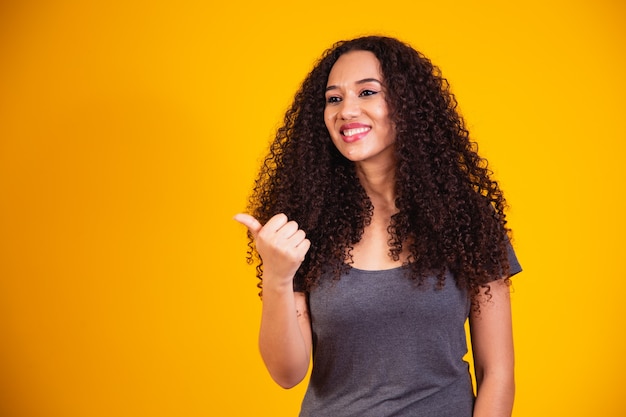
(363, 81)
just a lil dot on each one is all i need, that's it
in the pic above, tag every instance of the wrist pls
(278, 287)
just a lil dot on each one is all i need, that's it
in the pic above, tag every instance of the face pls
(356, 113)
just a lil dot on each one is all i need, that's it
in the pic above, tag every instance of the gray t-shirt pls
(383, 347)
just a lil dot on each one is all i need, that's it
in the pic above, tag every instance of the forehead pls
(354, 66)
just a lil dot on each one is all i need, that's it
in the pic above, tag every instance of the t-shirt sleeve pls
(514, 265)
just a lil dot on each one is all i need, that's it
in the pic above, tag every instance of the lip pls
(357, 136)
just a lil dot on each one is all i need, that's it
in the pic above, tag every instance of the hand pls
(281, 244)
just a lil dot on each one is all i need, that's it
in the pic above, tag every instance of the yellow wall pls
(130, 135)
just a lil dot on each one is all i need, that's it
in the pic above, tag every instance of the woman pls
(405, 238)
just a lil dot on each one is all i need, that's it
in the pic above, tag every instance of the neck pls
(378, 182)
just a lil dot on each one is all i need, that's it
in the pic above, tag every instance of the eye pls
(333, 99)
(366, 93)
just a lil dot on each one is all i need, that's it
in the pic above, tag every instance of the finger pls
(288, 230)
(298, 237)
(303, 247)
(250, 222)
(276, 222)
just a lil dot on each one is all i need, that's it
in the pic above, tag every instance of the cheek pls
(328, 120)
(381, 112)
(383, 117)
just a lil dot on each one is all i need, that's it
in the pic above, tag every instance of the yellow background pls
(130, 134)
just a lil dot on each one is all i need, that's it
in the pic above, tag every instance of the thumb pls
(250, 222)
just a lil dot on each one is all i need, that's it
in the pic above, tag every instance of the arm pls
(285, 335)
(492, 344)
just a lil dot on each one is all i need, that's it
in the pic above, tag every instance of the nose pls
(349, 108)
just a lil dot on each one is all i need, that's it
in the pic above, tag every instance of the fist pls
(281, 244)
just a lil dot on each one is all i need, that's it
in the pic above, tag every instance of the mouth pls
(355, 131)
(352, 132)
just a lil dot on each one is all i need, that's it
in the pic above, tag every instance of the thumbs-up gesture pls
(282, 246)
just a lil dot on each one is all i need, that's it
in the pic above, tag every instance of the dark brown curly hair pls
(450, 212)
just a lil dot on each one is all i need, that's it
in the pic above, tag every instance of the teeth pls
(352, 132)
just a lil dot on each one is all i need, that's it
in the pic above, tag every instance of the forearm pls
(285, 335)
(495, 394)
(494, 359)
(284, 348)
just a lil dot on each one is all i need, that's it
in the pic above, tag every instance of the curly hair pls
(450, 213)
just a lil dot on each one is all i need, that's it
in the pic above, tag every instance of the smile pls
(356, 131)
